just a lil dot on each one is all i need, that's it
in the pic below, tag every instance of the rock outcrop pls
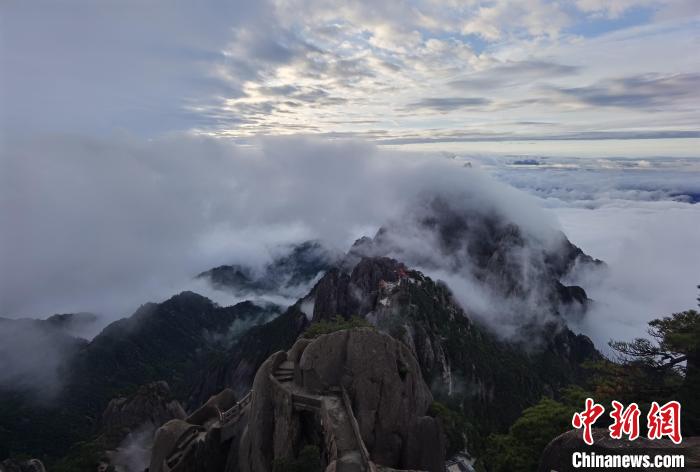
(31, 465)
(523, 264)
(353, 399)
(293, 269)
(151, 406)
(172, 341)
(129, 424)
(389, 397)
(558, 453)
(493, 378)
(236, 369)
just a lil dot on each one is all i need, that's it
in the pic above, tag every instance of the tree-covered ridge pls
(336, 323)
(160, 341)
(660, 368)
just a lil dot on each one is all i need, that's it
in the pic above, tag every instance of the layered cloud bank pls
(639, 215)
(403, 72)
(97, 225)
(105, 225)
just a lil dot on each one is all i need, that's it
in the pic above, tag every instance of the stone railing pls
(235, 410)
(364, 453)
(306, 402)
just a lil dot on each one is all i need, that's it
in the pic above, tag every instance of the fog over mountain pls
(638, 215)
(103, 225)
(249, 232)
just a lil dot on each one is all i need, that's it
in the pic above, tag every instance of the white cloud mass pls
(397, 71)
(103, 225)
(640, 216)
(141, 143)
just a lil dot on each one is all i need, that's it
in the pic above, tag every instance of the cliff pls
(353, 400)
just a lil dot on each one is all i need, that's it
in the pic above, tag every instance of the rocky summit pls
(461, 359)
(377, 366)
(352, 400)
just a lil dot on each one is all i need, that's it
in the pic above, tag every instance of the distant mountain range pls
(200, 348)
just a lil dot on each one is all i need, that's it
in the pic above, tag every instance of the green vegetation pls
(82, 456)
(455, 425)
(335, 324)
(665, 367)
(308, 460)
(662, 368)
(168, 341)
(492, 381)
(674, 340)
(520, 449)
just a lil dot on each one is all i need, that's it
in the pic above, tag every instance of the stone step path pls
(285, 372)
(341, 424)
(228, 418)
(181, 446)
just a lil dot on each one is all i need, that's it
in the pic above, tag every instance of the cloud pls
(80, 65)
(446, 104)
(610, 9)
(34, 357)
(653, 255)
(104, 225)
(512, 73)
(533, 17)
(648, 91)
(134, 453)
(105, 204)
(593, 183)
(663, 10)
(638, 215)
(467, 136)
(242, 70)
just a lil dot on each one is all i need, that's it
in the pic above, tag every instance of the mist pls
(639, 215)
(653, 255)
(134, 453)
(105, 225)
(34, 358)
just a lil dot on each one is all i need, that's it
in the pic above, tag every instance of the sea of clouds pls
(105, 224)
(638, 215)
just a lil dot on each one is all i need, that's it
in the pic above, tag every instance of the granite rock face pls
(388, 397)
(459, 357)
(151, 405)
(237, 368)
(516, 261)
(222, 401)
(353, 396)
(388, 394)
(129, 424)
(31, 465)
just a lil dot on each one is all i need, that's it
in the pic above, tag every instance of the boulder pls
(31, 465)
(151, 406)
(256, 451)
(175, 447)
(351, 389)
(220, 402)
(388, 395)
(558, 453)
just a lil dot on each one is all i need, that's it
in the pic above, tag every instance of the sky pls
(144, 142)
(429, 74)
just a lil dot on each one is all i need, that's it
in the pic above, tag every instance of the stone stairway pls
(285, 372)
(192, 434)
